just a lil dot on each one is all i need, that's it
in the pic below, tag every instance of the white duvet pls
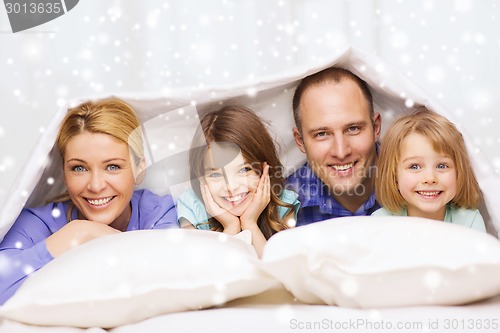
(170, 119)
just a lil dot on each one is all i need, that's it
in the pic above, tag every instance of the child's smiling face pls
(232, 186)
(427, 180)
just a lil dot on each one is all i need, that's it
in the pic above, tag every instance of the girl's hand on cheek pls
(260, 200)
(230, 222)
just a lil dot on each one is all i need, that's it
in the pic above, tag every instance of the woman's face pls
(232, 186)
(100, 176)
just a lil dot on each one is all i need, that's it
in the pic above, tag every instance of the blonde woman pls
(101, 147)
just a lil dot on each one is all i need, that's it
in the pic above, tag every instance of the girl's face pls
(427, 180)
(233, 185)
(100, 176)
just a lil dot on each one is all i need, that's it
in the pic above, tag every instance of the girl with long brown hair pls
(237, 179)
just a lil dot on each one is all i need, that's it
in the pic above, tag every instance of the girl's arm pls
(230, 223)
(189, 210)
(258, 239)
(185, 224)
(478, 222)
(249, 219)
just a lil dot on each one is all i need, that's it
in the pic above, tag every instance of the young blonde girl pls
(424, 171)
(237, 179)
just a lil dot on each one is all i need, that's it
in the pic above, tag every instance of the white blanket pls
(171, 118)
(276, 311)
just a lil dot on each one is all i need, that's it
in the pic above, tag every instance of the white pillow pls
(127, 277)
(368, 262)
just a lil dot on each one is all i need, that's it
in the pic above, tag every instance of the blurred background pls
(450, 48)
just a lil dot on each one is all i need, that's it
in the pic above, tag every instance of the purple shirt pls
(23, 250)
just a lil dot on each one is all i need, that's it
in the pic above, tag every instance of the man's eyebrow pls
(318, 129)
(357, 123)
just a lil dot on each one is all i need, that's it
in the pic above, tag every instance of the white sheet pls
(256, 315)
(169, 140)
(270, 97)
(276, 311)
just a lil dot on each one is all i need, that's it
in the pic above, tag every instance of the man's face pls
(338, 137)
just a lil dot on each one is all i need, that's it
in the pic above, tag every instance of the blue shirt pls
(470, 218)
(317, 204)
(23, 249)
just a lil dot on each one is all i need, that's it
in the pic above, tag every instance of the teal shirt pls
(470, 218)
(192, 209)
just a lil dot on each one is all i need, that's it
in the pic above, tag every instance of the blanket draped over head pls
(170, 119)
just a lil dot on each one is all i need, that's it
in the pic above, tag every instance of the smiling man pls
(338, 130)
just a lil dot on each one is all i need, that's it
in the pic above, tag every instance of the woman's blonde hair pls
(445, 138)
(239, 127)
(107, 116)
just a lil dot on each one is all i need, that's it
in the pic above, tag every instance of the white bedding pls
(170, 120)
(167, 144)
(276, 311)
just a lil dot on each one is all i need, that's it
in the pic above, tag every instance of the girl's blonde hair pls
(445, 138)
(240, 127)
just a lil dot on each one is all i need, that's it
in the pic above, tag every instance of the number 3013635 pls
(33, 8)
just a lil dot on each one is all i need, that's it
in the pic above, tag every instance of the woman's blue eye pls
(442, 166)
(414, 167)
(78, 168)
(113, 167)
